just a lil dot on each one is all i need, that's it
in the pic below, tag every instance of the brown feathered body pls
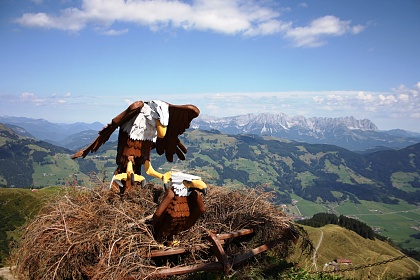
(177, 213)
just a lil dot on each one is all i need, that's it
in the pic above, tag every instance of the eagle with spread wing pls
(144, 126)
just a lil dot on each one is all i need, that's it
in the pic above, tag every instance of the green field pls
(397, 222)
(338, 242)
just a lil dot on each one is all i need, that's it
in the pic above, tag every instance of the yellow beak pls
(161, 130)
(197, 185)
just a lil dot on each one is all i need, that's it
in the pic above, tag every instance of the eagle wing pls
(180, 117)
(106, 132)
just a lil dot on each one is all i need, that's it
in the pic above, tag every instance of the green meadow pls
(397, 222)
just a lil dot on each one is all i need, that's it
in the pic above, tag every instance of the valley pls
(396, 222)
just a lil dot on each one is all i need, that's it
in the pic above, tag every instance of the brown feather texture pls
(180, 117)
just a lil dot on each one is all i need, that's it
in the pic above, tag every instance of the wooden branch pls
(219, 252)
(177, 270)
(241, 232)
(253, 252)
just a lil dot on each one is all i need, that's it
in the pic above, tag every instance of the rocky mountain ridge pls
(283, 121)
(346, 132)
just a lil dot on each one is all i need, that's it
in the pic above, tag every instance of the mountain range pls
(346, 132)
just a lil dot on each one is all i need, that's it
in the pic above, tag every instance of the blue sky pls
(87, 60)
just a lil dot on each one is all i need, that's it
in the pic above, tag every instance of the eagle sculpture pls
(144, 126)
(181, 206)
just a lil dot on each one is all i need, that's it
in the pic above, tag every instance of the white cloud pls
(387, 100)
(33, 99)
(365, 96)
(314, 34)
(402, 102)
(113, 32)
(222, 16)
(232, 17)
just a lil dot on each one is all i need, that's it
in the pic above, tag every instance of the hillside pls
(31, 163)
(314, 172)
(335, 242)
(18, 206)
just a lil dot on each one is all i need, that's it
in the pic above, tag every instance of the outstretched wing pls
(180, 117)
(106, 132)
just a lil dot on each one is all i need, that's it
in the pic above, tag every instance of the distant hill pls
(47, 131)
(346, 132)
(19, 156)
(314, 172)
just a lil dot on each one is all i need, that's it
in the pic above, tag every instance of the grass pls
(256, 174)
(212, 141)
(338, 242)
(16, 207)
(306, 208)
(394, 221)
(345, 174)
(403, 180)
(308, 157)
(306, 178)
(57, 171)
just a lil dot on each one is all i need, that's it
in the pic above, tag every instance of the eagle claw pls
(167, 177)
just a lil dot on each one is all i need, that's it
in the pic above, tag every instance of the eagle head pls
(184, 184)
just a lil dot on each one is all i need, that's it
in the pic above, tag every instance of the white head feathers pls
(177, 182)
(160, 111)
(143, 126)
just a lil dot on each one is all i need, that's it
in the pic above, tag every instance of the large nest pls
(98, 234)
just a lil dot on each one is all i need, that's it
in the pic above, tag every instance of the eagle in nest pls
(181, 206)
(144, 126)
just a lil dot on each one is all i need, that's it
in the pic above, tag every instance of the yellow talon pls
(175, 243)
(167, 177)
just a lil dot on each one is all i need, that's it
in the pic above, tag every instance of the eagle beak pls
(161, 129)
(196, 185)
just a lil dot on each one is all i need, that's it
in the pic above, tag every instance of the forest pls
(322, 219)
